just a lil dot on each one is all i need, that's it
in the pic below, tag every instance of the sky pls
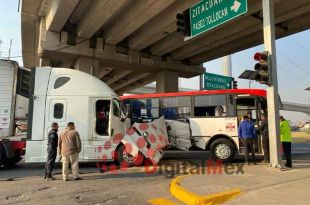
(293, 60)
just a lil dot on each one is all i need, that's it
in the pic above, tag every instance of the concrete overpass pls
(130, 43)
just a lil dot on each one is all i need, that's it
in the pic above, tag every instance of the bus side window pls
(146, 108)
(210, 105)
(176, 107)
(231, 106)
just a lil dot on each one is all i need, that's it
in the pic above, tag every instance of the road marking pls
(194, 199)
(161, 201)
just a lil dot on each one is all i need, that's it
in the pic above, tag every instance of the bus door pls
(251, 106)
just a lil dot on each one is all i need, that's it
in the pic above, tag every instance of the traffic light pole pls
(272, 90)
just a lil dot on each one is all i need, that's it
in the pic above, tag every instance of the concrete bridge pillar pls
(167, 81)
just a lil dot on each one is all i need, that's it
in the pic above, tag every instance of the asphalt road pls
(37, 169)
(21, 184)
(300, 151)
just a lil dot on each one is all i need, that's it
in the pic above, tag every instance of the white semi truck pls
(55, 95)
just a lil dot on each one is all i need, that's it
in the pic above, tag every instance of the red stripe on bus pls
(256, 92)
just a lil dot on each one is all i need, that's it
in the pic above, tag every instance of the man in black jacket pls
(52, 143)
(263, 129)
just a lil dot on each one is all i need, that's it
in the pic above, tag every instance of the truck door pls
(99, 114)
(116, 125)
(56, 112)
(106, 124)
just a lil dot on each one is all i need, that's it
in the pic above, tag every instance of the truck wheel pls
(124, 158)
(4, 161)
(223, 150)
(17, 157)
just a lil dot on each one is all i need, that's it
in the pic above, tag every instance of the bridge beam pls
(95, 18)
(137, 84)
(59, 14)
(159, 26)
(131, 78)
(110, 57)
(115, 76)
(130, 20)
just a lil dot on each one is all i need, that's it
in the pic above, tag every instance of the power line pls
(293, 63)
(297, 76)
(279, 68)
(300, 45)
(35, 54)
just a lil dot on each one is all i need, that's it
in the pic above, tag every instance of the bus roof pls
(256, 92)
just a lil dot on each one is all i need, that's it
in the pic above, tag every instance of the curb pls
(190, 198)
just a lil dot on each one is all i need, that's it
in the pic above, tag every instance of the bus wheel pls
(125, 158)
(223, 150)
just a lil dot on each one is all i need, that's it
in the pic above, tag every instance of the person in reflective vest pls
(286, 140)
(52, 143)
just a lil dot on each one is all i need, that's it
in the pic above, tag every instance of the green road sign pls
(216, 82)
(208, 14)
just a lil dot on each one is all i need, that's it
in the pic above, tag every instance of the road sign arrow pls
(236, 6)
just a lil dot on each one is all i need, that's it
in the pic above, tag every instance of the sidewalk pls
(259, 184)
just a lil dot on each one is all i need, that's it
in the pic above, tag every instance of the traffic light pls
(183, 23)
(235, 84)
(262, 68)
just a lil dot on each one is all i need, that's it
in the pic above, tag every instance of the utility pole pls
(227, 66)
(272, 90)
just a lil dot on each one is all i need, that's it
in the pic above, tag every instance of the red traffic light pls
(261, 56)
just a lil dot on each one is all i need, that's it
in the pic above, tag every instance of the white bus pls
(207, 120)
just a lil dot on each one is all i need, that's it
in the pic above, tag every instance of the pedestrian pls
(263, 129)
(247, 133)
(69, 147)
(52, 142)
(286, 140)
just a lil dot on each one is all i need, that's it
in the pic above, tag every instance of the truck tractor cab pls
(64, 95)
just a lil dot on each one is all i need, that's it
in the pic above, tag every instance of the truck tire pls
(17, 157)
(223, 150)
(125, 159)
(4, 161)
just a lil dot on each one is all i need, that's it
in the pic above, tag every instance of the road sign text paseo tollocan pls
(208, 14)
(216, 82)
